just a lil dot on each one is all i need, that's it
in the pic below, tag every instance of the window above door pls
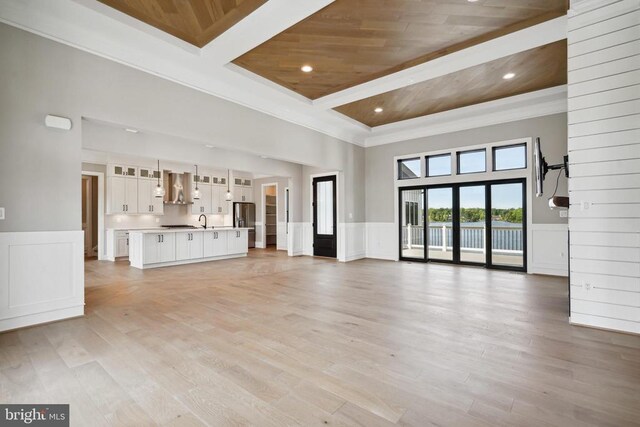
(483, 162)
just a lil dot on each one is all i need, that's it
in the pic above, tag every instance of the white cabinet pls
(243, 194)
(215, 243)
(159, 247)
(151, 249)
(148, 203)
(204, 204)
(218, 198)
(189, 245)
(122, 244)
(238, 241)
(150, 173)
(122, 170)
(122, 194)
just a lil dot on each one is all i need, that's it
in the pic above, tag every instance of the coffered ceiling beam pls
(520, 107)
(264, 23)
(519, 41)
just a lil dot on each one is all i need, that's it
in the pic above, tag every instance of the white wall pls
(604, 148)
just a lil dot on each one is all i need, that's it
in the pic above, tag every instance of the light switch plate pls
(1, 213)
(564, 214)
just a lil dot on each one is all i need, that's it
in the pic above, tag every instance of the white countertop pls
(134, 228)
(187, 230)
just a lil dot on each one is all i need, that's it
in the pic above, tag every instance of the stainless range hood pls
(177, 188)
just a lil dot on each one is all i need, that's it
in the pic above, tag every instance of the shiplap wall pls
(604, 156)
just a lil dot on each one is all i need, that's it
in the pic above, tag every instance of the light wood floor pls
(273, 341)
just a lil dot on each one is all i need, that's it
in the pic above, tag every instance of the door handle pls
(158, 238)
(162, 236)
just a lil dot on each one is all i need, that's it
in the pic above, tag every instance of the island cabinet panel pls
(152, 249)
(215, 243)
(189, 245)
(159, 247)
(238, 241)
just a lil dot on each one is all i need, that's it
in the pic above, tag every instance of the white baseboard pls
(38, 318)
(549, 250)
(188, 261)
(41, 277)
(260, 245)
(604, 323)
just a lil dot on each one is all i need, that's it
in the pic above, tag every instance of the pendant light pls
(159, 190)
(228, 196)
(196, 192)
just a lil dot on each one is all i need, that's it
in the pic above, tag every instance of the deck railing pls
(472, 238)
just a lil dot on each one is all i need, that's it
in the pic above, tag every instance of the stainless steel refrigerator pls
(244, 215)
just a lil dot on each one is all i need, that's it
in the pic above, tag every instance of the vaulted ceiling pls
(382, 70)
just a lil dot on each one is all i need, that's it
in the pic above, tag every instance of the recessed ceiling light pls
(209, 146)
(508, 76)
(307, 68)
(131, 130)
(472, 1)
(264, 157)
(378, 110)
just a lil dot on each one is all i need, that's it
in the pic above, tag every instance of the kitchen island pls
(163, 248)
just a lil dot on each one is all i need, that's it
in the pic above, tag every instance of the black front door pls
(324, 216)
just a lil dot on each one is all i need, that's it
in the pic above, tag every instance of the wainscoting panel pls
(296, 239)
(41, 277)
(281, 238)
(260, 242)
(382, 240)
(549, 249)
(353, 241)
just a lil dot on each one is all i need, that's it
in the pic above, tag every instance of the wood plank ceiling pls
(194, 21)
(353, 41)
(534, 69)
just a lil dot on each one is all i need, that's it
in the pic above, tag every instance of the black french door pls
(474, 223)
(324, 216)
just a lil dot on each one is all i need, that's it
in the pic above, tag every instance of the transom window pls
(510, 157)
(439, 165)
(473, 161)
(409, 168)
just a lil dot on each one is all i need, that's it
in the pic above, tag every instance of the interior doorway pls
(270, 209)
(90, 216)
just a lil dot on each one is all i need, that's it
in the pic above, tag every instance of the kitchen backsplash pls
(172, 215)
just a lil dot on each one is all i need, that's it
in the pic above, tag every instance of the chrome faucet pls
(205, 220)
